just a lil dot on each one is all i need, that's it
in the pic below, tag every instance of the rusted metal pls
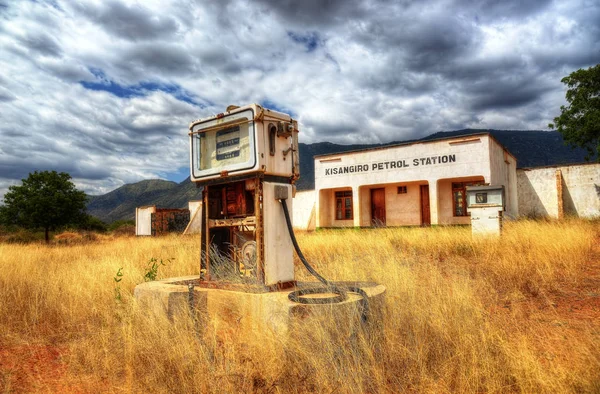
(206, 234)
(167, 220)
(260, 250)
(247, 221)
(241, 287)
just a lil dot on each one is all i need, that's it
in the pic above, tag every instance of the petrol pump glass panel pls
(227, 145)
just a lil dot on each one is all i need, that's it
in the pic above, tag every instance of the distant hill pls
(532, 148)
(120, 204)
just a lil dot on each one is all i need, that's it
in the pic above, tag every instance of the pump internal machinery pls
(246, 159)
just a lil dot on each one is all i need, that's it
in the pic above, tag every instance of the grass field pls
(516, 314)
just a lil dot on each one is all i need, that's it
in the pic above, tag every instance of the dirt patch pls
(39, 369)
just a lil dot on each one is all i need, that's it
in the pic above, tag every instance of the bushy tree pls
(579, 122)
(46, 199)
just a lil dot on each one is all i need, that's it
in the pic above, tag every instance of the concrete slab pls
(267, 313)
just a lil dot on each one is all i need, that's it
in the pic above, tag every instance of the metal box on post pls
(486, 204)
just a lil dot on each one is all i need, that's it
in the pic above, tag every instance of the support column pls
(317, 208)
(356, 205)
(433, 201)
(559, 194)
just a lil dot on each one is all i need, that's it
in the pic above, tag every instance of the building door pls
(425, 212)
(378, 207)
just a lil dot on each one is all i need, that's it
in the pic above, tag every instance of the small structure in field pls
(486, 204)
(150, 220)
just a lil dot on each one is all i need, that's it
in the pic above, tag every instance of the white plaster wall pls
(538, 195)
(581, 196)
(143, 220)
(195, 224)
(504, 167)
(471, 153)
(303, 216)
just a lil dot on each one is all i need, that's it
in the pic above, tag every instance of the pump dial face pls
(227, 144)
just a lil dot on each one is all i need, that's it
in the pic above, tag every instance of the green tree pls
(579, 122)
(47, 200)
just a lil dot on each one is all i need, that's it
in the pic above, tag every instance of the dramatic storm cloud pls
(105, 90)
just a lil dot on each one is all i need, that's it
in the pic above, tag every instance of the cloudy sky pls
(105, 90)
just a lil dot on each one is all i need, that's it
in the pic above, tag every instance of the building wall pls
(143, 220)
(401, 209)
(503, 172)
(303, 215)
(195, 224)
(539, 194)
(433, 163)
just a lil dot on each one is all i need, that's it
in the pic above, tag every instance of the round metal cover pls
(249, 255)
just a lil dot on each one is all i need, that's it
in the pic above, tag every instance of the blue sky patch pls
(310, 40)
(180, 175)
(140, 89)
(276, 107)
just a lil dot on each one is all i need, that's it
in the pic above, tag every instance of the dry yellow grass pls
(461, 315)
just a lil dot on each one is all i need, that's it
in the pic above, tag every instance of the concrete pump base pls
(259, 312)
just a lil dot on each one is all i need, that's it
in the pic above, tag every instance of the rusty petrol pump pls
(246, 159)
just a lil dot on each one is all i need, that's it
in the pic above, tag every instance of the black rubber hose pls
(297, 296)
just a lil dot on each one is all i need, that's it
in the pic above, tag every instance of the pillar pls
(356, 206)
(433, 201)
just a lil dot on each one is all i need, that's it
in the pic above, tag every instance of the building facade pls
(421, 183)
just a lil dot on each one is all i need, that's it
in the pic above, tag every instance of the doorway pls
(425, 211)
(378, 207)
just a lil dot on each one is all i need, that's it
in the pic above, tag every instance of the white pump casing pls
(245, 140)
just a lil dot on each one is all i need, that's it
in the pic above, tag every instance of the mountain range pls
(532, 148)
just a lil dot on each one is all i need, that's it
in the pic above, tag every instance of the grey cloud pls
(66, 69)
(41, 43)
(159, 57)
(130, 22)
(6, 95)
(18, 168)
(489, 10)
(316, 12)
(505, 93)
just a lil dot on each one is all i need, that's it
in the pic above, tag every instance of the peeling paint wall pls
(195, 224)
(539, 195)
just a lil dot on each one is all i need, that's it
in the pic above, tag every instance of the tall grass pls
(455, 316)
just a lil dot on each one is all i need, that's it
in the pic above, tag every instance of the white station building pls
(421, 183)
(424, 183)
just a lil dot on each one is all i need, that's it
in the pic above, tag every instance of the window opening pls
(343, 205)
(459, 196)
